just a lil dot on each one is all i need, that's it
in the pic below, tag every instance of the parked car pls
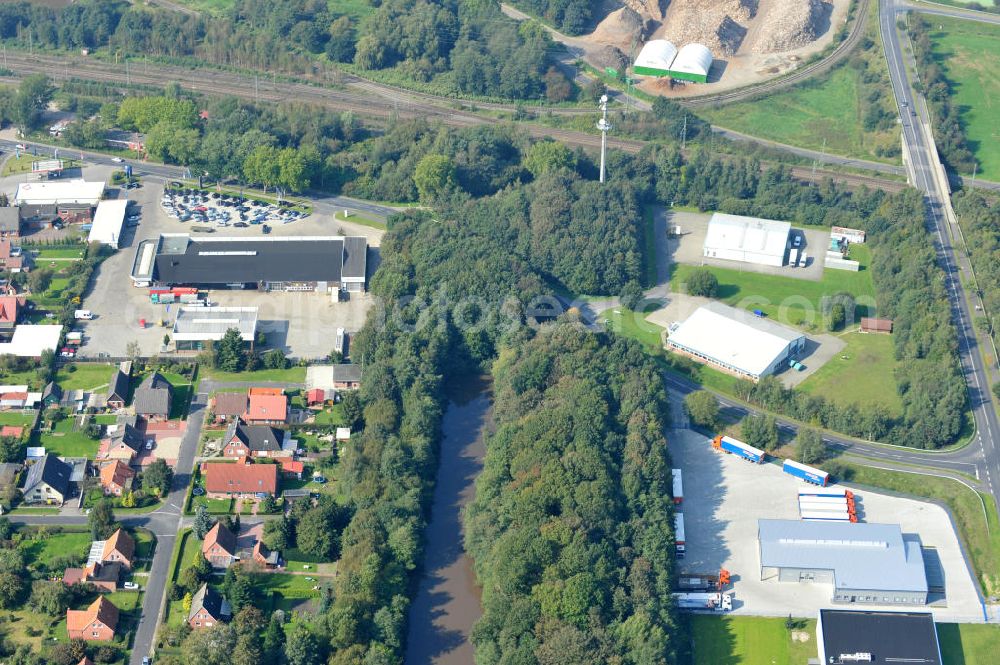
(117, 160)
(130, 586)
(241, 225)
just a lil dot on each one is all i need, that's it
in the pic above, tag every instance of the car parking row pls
(224, 209)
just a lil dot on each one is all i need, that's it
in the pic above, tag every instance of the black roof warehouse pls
(314, 263)
(847, 637)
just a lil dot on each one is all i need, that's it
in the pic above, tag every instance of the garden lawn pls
(59, 253)
(287, 590)
(297, 561)
(65, 442)
(213, 506)
(627, 323)
(968, 643)
(729, 640)
(331, 415)
(969, 52)
(43, 551)
(774, 293)
(86, 376)
(16, 418)
(291, 375)
(864, 377)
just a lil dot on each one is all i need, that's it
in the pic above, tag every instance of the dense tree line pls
(573, 17)
(980, 219)
(949, 133)
(571, 527)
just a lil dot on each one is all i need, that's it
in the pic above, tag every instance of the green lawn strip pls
(66, 442)
(731, 640)
(85, 376)
(969, 643)
(981, 539)
(297, 561)
(16, 418)
(356, 218)
(28, 377)
(295, 374)
(861, 373)
(58, 253)
(627, 323)
(213, 506)
(969, 52)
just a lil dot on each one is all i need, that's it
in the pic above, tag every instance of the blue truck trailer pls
(806, 473)
(732, 446)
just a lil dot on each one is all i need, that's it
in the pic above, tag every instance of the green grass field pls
(729, 640)
(866, 366)
(16, 418)
(42, 551)
(85, 376)
(787, 300)
(970, 54)
(357, 218)
(63, 441)
(291, 375)
(58, 253)
(627, 323)
(968, 644)
(981, 540)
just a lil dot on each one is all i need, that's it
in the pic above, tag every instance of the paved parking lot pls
(300, 323)
(724, 497)
(689, 248)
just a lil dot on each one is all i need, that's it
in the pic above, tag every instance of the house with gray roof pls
(118, 390)
(152, 398)
(865, 563)
(208, 608)
(47, 481)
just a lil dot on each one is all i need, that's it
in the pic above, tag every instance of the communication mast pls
(605, 127)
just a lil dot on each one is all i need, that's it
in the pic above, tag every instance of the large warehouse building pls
(315, 263)
(661, 58)
(747, 239)
(56, 192)
(865, 563)
(735, 341)
(855, 636)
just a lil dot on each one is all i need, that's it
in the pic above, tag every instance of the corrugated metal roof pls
(863, 556)
(747, 234)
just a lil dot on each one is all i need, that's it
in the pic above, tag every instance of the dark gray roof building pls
(50, 471)
(152, 397)
(347, 372)
(128, 435)
(877, 637)
(10, 220)
(257, 438)
(211, 601)
(118, 387)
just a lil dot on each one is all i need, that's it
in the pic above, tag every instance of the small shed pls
(879, 326)
(315, 396)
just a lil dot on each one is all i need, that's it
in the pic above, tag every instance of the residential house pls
(347, 376)
(253, 440)
(116, 478)
(96, 623)
(119, 548)
(240, 480)
(12, 259)
(10, 222)
(227, 407)
(124, 443)
(39, 216)
(153, 398)
(264, 557)
(10, 311)
(104, 576)
(208, 608)
(13, 397)
(52, 395)
(47, 481)
(219, 546)
(266, 406)
(118, 390)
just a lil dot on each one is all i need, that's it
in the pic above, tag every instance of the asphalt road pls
(918, 139)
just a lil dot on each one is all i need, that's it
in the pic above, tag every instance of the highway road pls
(930, 179)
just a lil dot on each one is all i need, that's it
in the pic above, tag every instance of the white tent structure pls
(692, 63)
(655, 58)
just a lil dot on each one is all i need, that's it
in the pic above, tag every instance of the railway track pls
(362, 102)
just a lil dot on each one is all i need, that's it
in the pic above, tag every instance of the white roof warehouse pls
(196, 325)
(59, 192)
(735, 340)
(748, 239)
(108, 222)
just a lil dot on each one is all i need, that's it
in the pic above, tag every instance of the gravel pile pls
(622, 28)
(718, 25)
(791, 24)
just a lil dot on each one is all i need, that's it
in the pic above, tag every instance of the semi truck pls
(824, 491)
(806, 473)
(678, 486)
(679, 534)
(826, 516)
(714, 602)
(692, 582)
(732, 446)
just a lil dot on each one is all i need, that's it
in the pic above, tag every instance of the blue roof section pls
(872, 557)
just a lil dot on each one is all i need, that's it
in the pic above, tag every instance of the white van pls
(84, 314)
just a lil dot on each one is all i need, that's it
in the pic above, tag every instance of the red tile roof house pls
(241, 480)
(116, 478)
(10, 310)
(219, 547)
(8, 262)
(291, 468)
(268, 406)
(86, 661)
(104, 576)
(96, 623)
(264, 557)
(227, 407)
(119, 548)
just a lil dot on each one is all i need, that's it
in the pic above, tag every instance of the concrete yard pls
(689, 248)
(299, 323)
(725, 496)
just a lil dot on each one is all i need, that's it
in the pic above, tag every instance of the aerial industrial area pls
(542, 332)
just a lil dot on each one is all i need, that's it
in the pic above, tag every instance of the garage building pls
(196, 328)
(315, 263)
(854, 636)
(59, 192)
(109, 220)
(735, 341)
(747, 239)
(865, 563)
